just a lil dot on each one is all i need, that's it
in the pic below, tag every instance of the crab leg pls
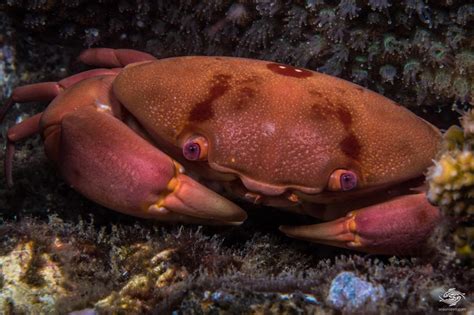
(107, 57)
(38, 92)
(397, 226)
(47, 91)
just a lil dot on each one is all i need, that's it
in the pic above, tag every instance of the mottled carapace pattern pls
(275, 124)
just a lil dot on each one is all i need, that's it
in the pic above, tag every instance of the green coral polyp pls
(414, 37)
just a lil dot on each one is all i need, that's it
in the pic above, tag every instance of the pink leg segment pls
(47, 91)
(70, 81)
(398, 226)
(38, 92)
(41, 92)
(107, 57)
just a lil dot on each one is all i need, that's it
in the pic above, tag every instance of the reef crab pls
(266, 132)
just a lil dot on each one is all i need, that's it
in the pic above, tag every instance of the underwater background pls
(61, 253)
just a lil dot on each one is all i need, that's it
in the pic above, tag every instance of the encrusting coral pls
(451, 182)
(425, 48)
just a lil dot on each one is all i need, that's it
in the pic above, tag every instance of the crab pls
(123, 135)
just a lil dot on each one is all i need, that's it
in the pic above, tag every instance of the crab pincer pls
(123, 171)
(107, 161)
(397, 226)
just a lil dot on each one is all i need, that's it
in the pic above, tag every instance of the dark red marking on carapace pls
(351, 146)
(330, 109)
(203, 111)
(244, 98)
(345, 117)
(289, 71)
(325, 108)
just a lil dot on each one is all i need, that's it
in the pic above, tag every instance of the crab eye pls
(195, 149)
(342, 180)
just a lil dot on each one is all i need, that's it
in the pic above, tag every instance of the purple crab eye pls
(195, 149)
(348, 181)
(342, 180)
(192, 151)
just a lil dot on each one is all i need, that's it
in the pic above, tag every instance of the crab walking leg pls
(107, 57)
(397, 226)
(110, 164)
(47, 91)
(38, 92)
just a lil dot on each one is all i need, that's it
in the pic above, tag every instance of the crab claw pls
(128, 174)
(109, 163)
(187, 197)
(398, 226)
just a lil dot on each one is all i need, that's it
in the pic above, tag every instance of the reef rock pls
(349, 292)
(29, 284)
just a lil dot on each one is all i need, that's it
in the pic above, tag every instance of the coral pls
(25, 280)
(348, 8)
(157, 274)
(409, 46)
(451, 183)
(452, 178)
(463, 238)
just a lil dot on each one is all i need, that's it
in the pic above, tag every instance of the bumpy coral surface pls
(21, 286)
(452, 177)
(425, 48)
(451, 182)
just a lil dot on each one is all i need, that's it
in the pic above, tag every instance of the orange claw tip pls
(338, 231)
(190, 198)
(158, 211)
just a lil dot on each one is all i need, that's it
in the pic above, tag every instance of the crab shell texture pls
(277, 128)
